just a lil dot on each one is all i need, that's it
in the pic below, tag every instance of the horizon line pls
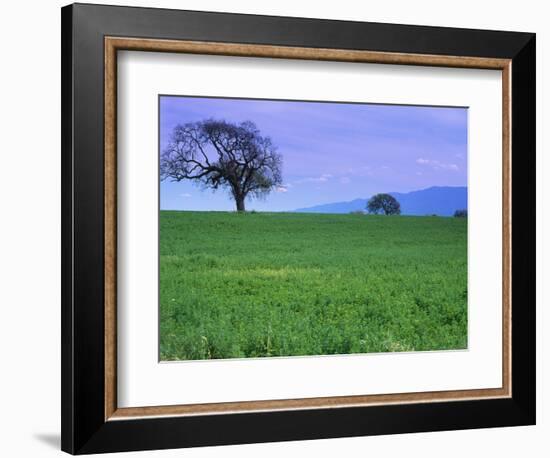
(297, 210)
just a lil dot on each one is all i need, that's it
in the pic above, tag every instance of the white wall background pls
(30, 227)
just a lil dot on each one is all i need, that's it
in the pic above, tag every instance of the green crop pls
(239, 285)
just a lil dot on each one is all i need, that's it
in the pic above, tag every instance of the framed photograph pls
(281, 228)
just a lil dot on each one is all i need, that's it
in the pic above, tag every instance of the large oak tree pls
(219, 154)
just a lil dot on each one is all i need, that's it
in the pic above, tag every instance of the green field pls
(236, 285)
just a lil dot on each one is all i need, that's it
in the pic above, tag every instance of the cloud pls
(186, 195)
(283, 188)
(345, 180)
(320, 179)
(437, 165)
(366, 170)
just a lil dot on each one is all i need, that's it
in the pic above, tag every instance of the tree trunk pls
(239, 200)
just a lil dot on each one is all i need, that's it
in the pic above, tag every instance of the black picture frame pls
(84, 428)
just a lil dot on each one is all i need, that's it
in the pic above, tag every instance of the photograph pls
(278, 226)
(302, 228)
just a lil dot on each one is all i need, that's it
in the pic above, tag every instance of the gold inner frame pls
(112, 45)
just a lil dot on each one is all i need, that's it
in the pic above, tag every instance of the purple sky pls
(331, 152)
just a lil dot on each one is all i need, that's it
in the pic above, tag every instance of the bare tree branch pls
(219, 154)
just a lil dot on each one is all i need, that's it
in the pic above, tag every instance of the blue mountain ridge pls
(437, 200)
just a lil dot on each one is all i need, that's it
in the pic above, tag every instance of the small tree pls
(383, 203)
(219, 154)
(461, 213)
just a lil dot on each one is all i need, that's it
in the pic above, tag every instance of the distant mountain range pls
(437, 200)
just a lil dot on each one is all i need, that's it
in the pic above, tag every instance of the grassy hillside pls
(279, 284)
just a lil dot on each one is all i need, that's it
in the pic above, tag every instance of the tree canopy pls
(383, 203)
(463, 213)
(219, 154)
